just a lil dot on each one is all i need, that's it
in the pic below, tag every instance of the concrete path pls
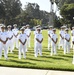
(20, 71)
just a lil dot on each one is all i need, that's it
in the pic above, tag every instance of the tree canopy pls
(9, 9)
(67, 12)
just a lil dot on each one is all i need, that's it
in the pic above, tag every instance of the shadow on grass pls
(20, 61)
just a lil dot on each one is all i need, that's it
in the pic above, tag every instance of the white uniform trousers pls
(38, 47)
(9, 45)
(26, 46)
(53, 49)
(71, 43)
(28, 41)
(61, 43)
(49, 43)
(66, 47)
(22, 49)
(15, 42)
(3, 46)
(34, 44)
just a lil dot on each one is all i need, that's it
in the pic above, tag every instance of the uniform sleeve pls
(65, 36)
(36, 36)
(30, 30)
(51, 36)
(56, 36)
(73, 38)
(25, 36)
(7, 35)
(19, 36)
(42, 36)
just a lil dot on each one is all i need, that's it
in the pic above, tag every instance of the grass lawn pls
(58, 62)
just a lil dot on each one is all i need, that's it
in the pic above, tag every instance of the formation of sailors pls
(11, 39)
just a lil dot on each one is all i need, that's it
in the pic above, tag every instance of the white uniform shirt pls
(54, 37)
(39, 37)
(10, 34)
(50, 32)
(67, 36)
(15, 31)
(23, 37)
(73, 38)
(62, 33)
(72, 32)
(35, 32)
(3, 36)
(27, 31)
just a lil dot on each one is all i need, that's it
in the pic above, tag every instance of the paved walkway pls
(20, 71)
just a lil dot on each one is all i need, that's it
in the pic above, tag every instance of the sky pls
(44, 5)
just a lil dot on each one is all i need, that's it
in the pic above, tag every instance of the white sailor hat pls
(38, 25)
(54, 29)
(64, 26)
(9, 26)
(27, 25)
(24, 26)
(22, 29)
(3, 26)
(73, 27)
(66, 29)
(39, 28)
(50, 26)
(15, 25)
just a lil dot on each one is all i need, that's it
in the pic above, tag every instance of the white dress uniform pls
(53, 48)
(62, 33)
(35, 33)
(50, 32)
(72, 32)
(10, 41)
(23, 38)
(15, 39)
(26, 41)
(73, 41)
(3, 37)
(28, 32)
(38, 46)
(66, 43)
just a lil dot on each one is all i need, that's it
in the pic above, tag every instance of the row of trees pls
(9, 9)
(66, 11)
(11, 12)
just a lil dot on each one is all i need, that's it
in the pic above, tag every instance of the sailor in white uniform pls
(50, 33)
(67, 41)
(15, 37)
(22, 46)
(3, 39)
(72, 34)
(28, 33)
(38, 44)
(62, 33)
(73, 41)
(54, 39)
(10, 39)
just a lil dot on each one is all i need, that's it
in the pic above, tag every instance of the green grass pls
(58, 62)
